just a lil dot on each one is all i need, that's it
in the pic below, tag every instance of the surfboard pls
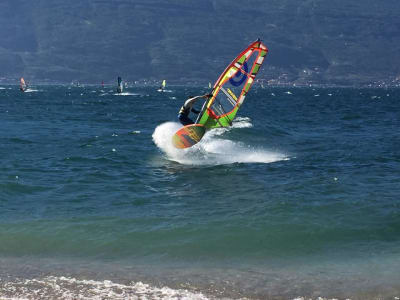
(188, 136)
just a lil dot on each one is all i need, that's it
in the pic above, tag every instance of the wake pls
(212, 149)
(126, 94)
(29, 90)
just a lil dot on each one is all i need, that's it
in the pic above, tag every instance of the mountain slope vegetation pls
(316, 41)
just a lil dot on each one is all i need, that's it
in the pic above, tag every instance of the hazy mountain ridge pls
(93, 40)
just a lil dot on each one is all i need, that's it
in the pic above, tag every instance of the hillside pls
(311, 41)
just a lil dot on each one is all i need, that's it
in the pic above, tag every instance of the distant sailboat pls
(23, 86)
(209, 85)
(162, 87)
(120, 86)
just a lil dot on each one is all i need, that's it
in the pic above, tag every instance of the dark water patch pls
(15, 188)
(20, 141)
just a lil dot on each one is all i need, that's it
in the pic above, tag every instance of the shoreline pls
(74, 278)
(155, 85)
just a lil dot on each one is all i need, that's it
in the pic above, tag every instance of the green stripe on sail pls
(225, 121)
(247, 87)
(255, 69)
(242, 59)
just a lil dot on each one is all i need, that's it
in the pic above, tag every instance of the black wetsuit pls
(183, 115)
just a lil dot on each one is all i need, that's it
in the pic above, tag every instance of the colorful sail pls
(232, 87)
(164, 83)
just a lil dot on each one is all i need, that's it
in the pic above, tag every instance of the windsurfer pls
(187, 107)
(23, 86)
(120, 86)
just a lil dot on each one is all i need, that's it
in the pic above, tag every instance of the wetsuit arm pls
(195, 111)
(191, 101)
(194, 99)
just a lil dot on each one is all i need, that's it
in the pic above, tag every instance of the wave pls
(213, 149)
(52, 287)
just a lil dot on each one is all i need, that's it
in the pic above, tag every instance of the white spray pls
(212, 149)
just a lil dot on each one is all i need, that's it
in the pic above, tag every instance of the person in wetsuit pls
(187, 107)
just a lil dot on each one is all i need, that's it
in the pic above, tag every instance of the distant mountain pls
(310, 41)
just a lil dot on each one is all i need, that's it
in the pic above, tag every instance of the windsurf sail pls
(162, 87)
(23, 85)
(120, 86)
(232, 86)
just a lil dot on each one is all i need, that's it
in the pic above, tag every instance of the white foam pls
(162, 136)
(70, 288)
(30, 90)
(242, 122)
(126, 94)
(213, 149)
(1, 88)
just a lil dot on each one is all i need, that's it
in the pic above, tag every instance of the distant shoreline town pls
(282, 81)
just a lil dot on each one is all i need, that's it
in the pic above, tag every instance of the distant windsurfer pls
(162, 87)
(120, 86)
(187, 108)
(23, 86)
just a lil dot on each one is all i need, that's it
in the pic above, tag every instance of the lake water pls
(300, 198)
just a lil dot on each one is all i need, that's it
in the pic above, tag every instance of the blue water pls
(300, 198)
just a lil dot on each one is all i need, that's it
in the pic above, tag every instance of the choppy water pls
(300, 198)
